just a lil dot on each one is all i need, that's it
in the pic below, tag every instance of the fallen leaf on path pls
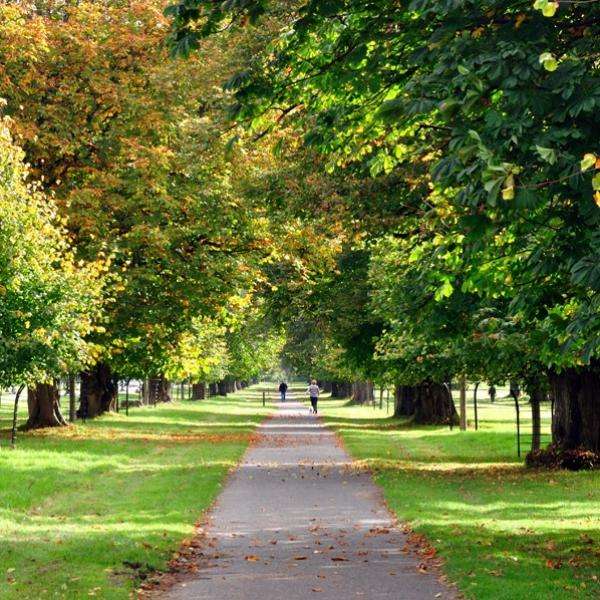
(317, 590)
(251, 557)
(300, 557)
(339, 559)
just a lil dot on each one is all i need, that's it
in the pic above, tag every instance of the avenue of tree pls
(405, 193)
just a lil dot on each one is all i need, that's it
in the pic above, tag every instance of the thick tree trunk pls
(222, 388)
(43, 402)
(326, 386)
(404, 400)
(576, 422)
(98, 392)
(434, 404)
(159, 390)
(198, 391)
(362, 392)
(213, 389)
(341, 389)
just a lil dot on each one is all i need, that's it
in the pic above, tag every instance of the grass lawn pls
(506, 533)
(77, 504)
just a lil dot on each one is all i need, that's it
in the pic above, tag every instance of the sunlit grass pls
(505, 532)
(80, 505)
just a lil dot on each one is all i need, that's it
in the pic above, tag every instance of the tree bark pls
(98, 393)
(428, 403)
(213, 389)
(434, 404)
(404, 400)
(159, 390)
(43, 402)
(198, 391)
(327, 386)
(222, 388)
(341, 389)
(576, 421)
(362, 392)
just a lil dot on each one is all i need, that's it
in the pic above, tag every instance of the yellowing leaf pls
(588, 161)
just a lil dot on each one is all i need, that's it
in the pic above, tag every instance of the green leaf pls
(547, 154)
(587, 162)
(548, 61)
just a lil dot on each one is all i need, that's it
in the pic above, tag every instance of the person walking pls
(282, 390)
(313, 392)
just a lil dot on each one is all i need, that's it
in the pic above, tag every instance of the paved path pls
(294, 522)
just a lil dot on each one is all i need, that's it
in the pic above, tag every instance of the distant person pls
(282, 390)
(492, 392)
(313, 392)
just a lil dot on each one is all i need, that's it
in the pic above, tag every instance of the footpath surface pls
(296, 522)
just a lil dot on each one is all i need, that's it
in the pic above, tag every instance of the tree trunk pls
(362, 392)
(327, 387)
(341, 389)
(434, 404)
(222, 388)
(404, 400)
(198, 391)
(44, 407)
(98, 392)
(213, 389)
(576, 394)
(159, 390)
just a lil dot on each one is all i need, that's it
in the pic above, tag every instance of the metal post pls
(516, 398)
(475, 406)
(13, 435)
(463, 403)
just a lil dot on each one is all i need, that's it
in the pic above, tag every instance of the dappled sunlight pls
(114, 490)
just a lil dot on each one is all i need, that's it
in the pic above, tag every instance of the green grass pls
(505, 532)
(76, 503)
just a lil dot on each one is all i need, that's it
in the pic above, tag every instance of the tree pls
(130, 144)
(50, 302)
(498, 104)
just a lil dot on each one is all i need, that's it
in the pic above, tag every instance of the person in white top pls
(313, 392)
